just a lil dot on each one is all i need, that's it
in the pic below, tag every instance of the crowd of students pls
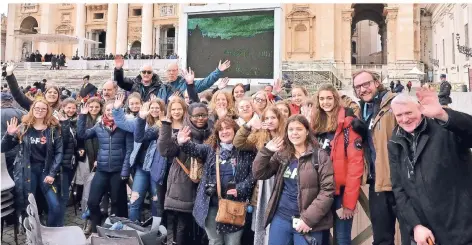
(297, 163)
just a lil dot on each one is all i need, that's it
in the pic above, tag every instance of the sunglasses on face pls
(146, 72)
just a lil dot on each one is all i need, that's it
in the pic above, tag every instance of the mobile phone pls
(295, 222)
(339, 212)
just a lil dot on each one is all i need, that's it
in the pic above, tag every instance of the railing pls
(97, 51)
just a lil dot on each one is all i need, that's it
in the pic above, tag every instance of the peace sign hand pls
(12, 126)
(183, 136)
(276, 144)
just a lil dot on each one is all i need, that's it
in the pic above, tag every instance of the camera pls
(210, 189)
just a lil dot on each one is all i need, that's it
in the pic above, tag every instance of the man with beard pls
(109, 90)
(431, 169)
(376, 112)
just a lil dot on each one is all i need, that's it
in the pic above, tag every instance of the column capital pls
(391, 13)
(347, 15)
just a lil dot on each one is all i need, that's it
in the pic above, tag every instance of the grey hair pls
(172, 63)
(146, 64)
(402, 99)
(115, 84)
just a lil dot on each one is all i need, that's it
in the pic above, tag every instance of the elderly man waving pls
(431, 169)
(148, 82)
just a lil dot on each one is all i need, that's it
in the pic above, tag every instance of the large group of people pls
(245, 169)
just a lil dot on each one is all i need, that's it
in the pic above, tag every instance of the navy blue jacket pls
(114, 147)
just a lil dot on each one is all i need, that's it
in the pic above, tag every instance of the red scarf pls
(109, 123)
(294, 109)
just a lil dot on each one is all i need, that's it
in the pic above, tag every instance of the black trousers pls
(103, 182)
(177, 225)
(383, 217)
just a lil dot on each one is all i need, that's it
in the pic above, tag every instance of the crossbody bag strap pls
(218, 181)
(182, 165)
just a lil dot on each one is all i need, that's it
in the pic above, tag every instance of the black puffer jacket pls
(68, 129)
(431, 175)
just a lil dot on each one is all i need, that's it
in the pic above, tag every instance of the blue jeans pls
(66, 179)
(342, 228)
(142, 182)
(282, 233)
(51, 196)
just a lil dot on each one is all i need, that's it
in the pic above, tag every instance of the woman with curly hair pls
(235, 177)
(39, 158)
(222, 105)
(252, 136)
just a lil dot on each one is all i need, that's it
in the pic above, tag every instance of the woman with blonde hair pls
(252, 136)
(335, 129)
(39, 158)
(260, 101)
(222, 105)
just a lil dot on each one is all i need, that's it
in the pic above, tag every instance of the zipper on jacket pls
(109, 153)
(298, 181)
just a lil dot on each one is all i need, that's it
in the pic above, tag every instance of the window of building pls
(98, 16)
(137, 12)
(453, 50)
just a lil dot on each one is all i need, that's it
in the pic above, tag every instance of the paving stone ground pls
(8, 237)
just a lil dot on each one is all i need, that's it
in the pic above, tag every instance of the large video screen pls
(244, 38)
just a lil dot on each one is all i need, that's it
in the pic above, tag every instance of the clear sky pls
(3, 7)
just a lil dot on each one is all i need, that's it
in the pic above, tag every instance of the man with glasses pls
(146, 83)
(376, 113)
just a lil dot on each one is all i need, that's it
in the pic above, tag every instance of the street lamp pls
(463, 49)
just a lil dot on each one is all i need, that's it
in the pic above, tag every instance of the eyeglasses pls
(259, 100)
(363, 85)
(200, 116)
(40, 109)
(146, 72)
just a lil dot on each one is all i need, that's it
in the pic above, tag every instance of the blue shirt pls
(288, 204)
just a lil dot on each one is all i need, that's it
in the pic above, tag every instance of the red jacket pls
(348, 163)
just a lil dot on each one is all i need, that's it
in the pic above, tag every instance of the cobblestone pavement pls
(8, 237)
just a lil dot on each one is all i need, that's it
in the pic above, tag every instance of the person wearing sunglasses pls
(146, 83)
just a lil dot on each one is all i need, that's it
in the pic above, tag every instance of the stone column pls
(346, 43)
(10, 42)
(110, 46)
(325, 43)
(89, 46)
(122, 29)
(146, 31)
(391, 20)
(405, 36)
(80, 27)
(176, 39)
(46, 26)
(158, 36)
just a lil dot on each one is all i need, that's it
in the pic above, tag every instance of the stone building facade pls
(317, 39)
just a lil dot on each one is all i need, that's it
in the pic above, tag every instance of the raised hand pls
(119, 100)
(429, 104)
(278, 85)
(189, 75)
(10, 68)
(221, 112)
(119, 62)
(184, 135)
(144, 110)
(223, 66)
(223, 83)
(307, 111)
(12, 126)
(175, 94)
(152, 97)
(276, 144)
(255, 123)
(84, 110)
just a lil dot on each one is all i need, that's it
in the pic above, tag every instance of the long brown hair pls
(56, 104)
(28, 120)
(150, 120)
(289, 148)
(177, 100)
(214, 140)
(286, 104)
(234, 88)
(321, 121)
(262, 136)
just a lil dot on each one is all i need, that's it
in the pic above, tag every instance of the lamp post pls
(463, 49)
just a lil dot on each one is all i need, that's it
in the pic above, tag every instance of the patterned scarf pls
(109, 123)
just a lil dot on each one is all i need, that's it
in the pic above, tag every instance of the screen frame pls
(231, 8)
